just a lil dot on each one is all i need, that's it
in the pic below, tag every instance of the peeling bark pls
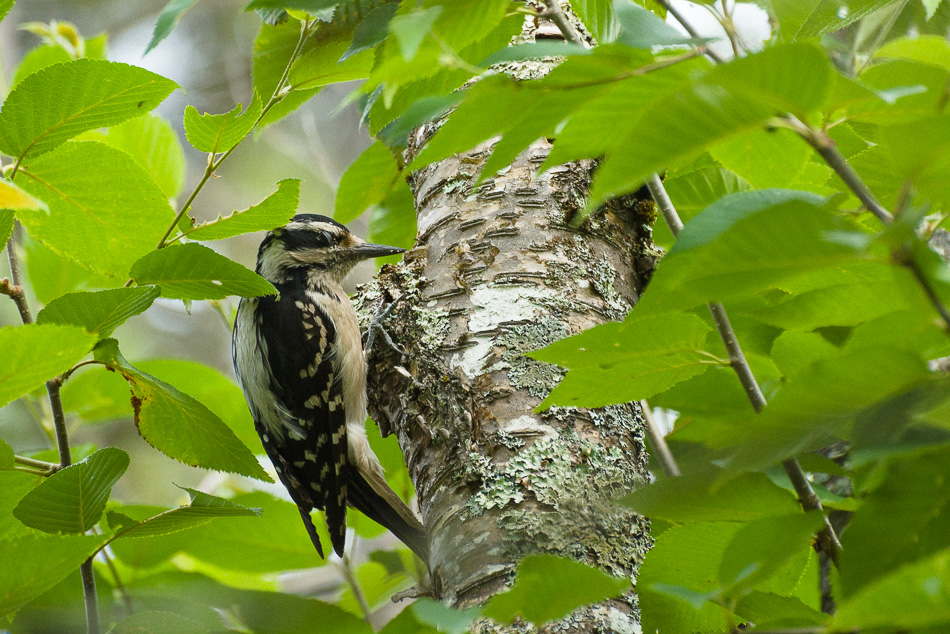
(497, 272)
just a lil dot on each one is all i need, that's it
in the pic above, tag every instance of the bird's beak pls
(369, 250)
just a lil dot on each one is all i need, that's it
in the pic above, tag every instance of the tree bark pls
(496, 272)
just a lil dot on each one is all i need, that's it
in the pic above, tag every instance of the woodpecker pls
(299, 360)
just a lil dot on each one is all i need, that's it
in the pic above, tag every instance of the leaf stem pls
(215, 164)
(354, 584)
(658, 440)
(47, 468)
(827, 538)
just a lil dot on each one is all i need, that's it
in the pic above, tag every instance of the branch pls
(40, 467)
(689, 27)
(563, 24)
(827, 538)
(15, 290)
(658, 440)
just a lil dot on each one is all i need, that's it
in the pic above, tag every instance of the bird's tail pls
(311, 529)
(370, 494)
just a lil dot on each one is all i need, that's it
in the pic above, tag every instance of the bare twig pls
(41, 467)
(355, 587)
(15, 290)
(689, 28)
(658, 440)
(563, 24)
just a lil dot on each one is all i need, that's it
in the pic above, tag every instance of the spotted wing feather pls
(304, 378)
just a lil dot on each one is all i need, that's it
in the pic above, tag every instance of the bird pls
(298, 357)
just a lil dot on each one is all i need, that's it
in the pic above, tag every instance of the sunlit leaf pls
(34, 354)
(274, 211)
(100, 312)
(167, 20)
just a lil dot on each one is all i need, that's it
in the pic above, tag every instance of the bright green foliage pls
(152, 142)
(35, 563)
(304, 5)
(203, 509)
(549, 587)
(57, 103)
(72, 500)
(178, 425)
(154, 622)
(13, 198)
(214, 133)
(599, 17)
(5, 6)
(167, 20)
(193, 271)
(34, 354)
(38, 59)
(272, 50)
(321, 66)
(368, 181)
(274, 211)
(88, 219)
(100, 312)
(6, 455)
(810, 18)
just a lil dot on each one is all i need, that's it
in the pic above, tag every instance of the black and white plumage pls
(299, 360)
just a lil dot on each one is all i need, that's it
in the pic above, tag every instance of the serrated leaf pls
(801, 19)
(366, 182)
(215, 133)
(371, 30)
(99, 312)
(152, 142)
(34, 354)
(310, 6)
(621, 362)
(731, 99)
(12, 198)
(89, 219)
(274, 211)
(273, 48)
(698, 497)
(927, 49)
(36, 563)
(38, 59)
(599, 18)
(193, 272)
(325, 65)
(58, 102)
(764, 158)
(549, 587)
(167, 20)
(203, 509)
(913, 596)
(5, 6)
(72, 499)
(178, 425)
(97, 395)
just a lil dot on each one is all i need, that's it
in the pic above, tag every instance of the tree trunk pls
(497, 272)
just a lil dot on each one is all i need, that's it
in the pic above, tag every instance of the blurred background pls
(209, 55)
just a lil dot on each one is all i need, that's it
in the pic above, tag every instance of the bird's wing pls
(310, 446)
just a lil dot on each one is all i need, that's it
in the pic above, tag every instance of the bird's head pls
(312, 245)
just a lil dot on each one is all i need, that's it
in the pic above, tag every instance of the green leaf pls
(203, 509)
(599, 18)
(621, 362)
(699, 497)
(731, 99)
(274, 211)
(310, 6)
(904, 519)
(549, 587)
(5, 6)
(764, 158)
(272, 50)
(410, 29)
(6, 455)
(167, 20)
(536, 50)
(72, 499)
(36, 563)
(762, 546)
(38, 59)
(178, 425)
(193, 271)
(801, 19)
(393, 221)
(152, 142)
(372, 30)
(155, 622)
(367, 181)
(323, 65)
(769, 610)
(639, 28)
(99, 313)
(215, 133)
(913, 596)
(927, 49)
(89, 219)
(58, 102)
(931, 7)
(12, 198)
(34, 354)
(97, 395)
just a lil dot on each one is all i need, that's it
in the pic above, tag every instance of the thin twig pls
(689, 28)
(658, 440)
(354, 584)
(563, 24)
(15, 291)
(45, 468)
(827, 538)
